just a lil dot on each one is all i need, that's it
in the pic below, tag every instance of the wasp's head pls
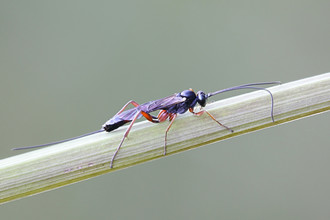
(201, 98)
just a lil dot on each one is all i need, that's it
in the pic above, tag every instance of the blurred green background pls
(68, 66)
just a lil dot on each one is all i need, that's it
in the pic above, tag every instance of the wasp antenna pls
(252, 86)
(245, 86)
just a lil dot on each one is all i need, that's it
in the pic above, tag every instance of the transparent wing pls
(161, 103)
(126, 115)
(148, 107)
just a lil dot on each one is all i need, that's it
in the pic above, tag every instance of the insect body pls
(169, 108)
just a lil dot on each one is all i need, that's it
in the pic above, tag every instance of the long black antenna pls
(245, 86)
(251, 86)
(57, 142)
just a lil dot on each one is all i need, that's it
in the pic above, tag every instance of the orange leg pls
(162, 115)
(125, 106)
(150, 117)
(146, 115)
(201, 112)
(125, 135)
(172, 117)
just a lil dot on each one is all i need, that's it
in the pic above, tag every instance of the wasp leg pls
(172, 117)
(125, 135)
(201, 112)
(125, 106)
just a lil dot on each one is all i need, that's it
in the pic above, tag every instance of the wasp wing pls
(126, 115)
(148, 107)
(163, 103)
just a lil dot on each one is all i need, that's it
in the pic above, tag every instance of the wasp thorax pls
(188, 94)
